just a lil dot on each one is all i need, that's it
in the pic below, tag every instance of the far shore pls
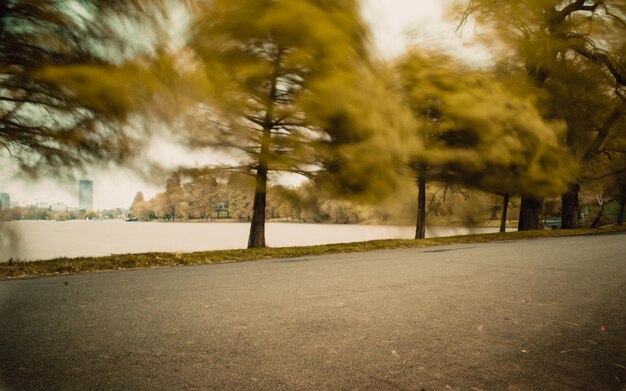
(452, 223)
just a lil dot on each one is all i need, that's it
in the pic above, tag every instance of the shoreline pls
(453, 224)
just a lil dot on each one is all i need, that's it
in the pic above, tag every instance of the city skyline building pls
(85, 194)
(5, 201)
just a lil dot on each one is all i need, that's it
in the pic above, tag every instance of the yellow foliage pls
(480, 134)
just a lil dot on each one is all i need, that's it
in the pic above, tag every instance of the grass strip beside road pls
(64, 266)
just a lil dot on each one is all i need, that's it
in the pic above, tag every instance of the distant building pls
(85, 194)
(42, 205)
(5, 201)
(15, 204)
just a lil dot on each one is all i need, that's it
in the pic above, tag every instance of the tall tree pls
(174, 195)
(46, 119)
(284, 76)
(203, 196)
(580, 93)
(139, 199)
(545, 37)
(478, 134)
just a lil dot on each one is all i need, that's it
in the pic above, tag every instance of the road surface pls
(544, 314)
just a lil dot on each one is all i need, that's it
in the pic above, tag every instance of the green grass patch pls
(62, 266)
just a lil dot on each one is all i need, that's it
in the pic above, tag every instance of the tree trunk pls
(420, 228)
(505, 211)
(530, 214)
(257, 226)
(620, 215)
(596, 221)
(570, 207)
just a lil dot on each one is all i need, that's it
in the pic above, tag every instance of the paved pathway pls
(545, 314)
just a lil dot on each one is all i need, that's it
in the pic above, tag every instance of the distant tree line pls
(231, 198)
(36, 213)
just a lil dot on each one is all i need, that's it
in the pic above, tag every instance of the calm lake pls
(35, 240)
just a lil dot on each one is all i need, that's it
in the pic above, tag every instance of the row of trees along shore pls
(38, 213)
(231, 197)
(293, 86)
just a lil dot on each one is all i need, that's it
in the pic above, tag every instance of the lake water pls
(34, 240)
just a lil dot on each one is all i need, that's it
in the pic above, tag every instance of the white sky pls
(398, 23)
(394, 23)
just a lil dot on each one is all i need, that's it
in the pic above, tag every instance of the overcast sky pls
(394, 23)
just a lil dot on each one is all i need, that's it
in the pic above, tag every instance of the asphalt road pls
(544, 314)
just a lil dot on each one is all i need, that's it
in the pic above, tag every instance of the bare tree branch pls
(603, 131)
